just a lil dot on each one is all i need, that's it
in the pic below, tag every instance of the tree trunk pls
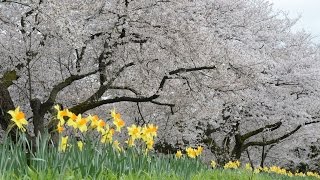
(6, 102)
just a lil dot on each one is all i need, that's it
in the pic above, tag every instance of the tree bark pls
(6, 102)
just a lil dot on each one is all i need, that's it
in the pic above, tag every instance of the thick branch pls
(57, 88)
(94, 101)
(181, 70)
(273, 141)
(257, 131)
(125, 88)
(106, 86)
(85, 106)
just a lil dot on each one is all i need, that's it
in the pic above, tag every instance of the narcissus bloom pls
(191, 152)
(60, 128)
(61, 114)
(94, 120)
(248, 167)
(72, 120)
(81, 123)
(134, 131)
(115, 115)
(119, 124)
(117, 120)
(101, 124)
(80, 145)
(179, 154)
(213, 164)
(107, 136)
(18, 118)
(63, 144)
(149, 144)
(130, 142)
(116, 145)
(232, 165)
(152, 130)
(199, 150)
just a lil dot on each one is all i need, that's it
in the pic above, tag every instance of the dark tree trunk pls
(38, 117)
(6, 102)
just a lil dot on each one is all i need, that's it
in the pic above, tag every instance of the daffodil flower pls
(213, 164)
(80, 145)
(130, 142)
(60, 128)
(191, 152)
(18, 118)
(63, 144)
(134, 131)
(101, 124)
(199, 150)
(179, 154)
(94, 121)
(116, 145)
(81, 123)
(119, 124)
(107, 136)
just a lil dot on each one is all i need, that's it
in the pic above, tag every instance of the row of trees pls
(227, 74)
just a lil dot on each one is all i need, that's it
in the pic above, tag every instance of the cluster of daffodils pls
(78, 122)
(232, 165)
(282, 171)
(145, 133)
(81, 124)
(191, 152)
(272, 169)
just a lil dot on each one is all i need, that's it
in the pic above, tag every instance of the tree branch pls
(106, 86)
(85, 106)
(273, 141)
(272, 127)
(57, 88)
(93, 101)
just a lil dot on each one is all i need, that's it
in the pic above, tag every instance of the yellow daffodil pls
(81, 123)
(119, 124)
(152, 130)
(94, 120)
(101, 124)
(107, 136)
(149, 144)
(115, 115)
(117, 120)
(63, 144)
(134, 131)
(80, 145)
(301, 174)
(232, 165)
(191, 152)
(179, 154)
(130, 142)
(18, 118)
(116, 145)
(72, 120)
(60, 128)
(213, 164)
(248, 167)
(199, 150)
(61, 114)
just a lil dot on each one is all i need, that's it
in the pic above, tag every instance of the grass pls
(98, 161)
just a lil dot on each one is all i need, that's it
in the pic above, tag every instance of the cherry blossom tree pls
(226, 74)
